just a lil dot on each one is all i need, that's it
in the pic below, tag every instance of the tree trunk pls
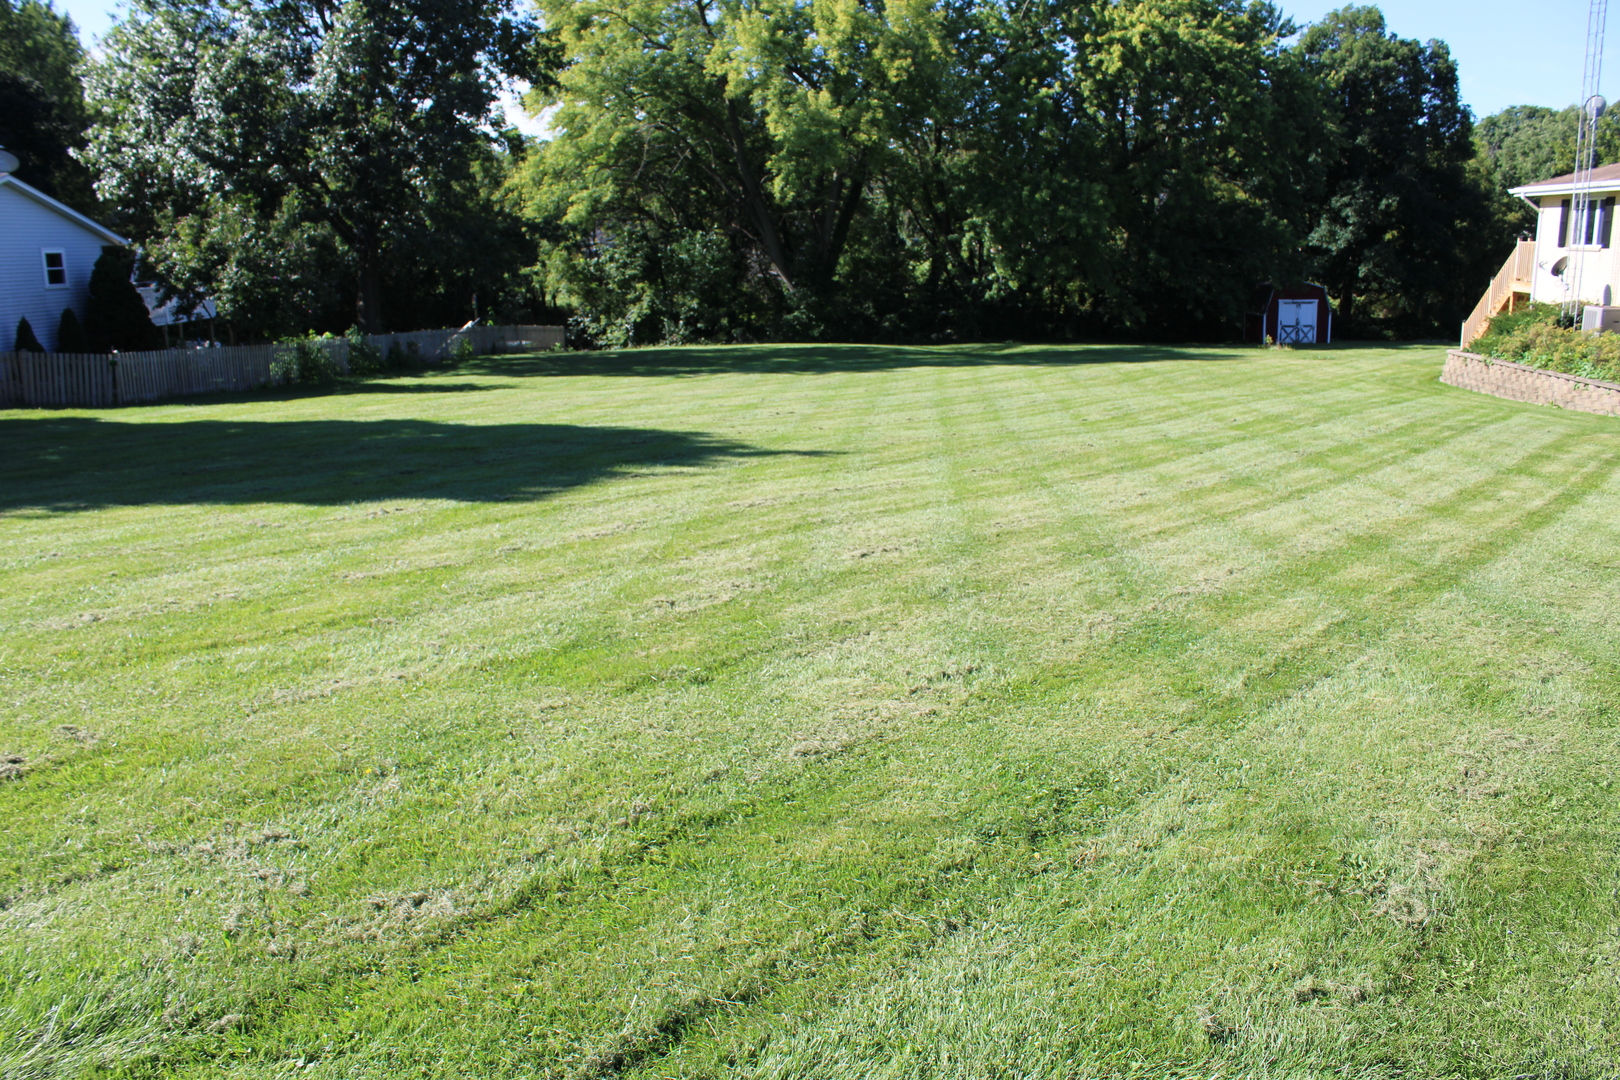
(368, 305)
(754, 198)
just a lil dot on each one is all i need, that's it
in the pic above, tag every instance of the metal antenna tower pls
(1582, 226)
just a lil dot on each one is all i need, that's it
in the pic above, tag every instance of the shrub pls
(304, 360)
(397, 360)
(26, 341)
(70, 335)
(115, 316)
(364, 357)
(1534, 337)
(462, 350)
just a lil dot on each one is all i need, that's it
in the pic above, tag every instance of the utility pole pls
(1583, 226)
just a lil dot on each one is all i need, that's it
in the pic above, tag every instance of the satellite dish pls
(8, 161)
(1595, 105)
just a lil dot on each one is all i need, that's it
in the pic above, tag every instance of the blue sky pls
(1507, 53)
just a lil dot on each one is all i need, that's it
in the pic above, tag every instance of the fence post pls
(112, 363)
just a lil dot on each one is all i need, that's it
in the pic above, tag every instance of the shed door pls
(1296, 322)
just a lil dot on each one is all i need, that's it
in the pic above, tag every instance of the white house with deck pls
(47, 251)
(1569, 260)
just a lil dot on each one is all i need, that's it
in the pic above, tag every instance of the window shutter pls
(1563, 223)
(1606, 230)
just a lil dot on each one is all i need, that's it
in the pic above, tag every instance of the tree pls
(1143, 159)
(26, 339)
(70, 335)
(748, 135)
(856, 168)
(42, 107)
(115, 316)
(1405, 230)
(268, 139)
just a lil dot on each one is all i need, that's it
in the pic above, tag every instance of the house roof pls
(7, 180)
(1604, 178)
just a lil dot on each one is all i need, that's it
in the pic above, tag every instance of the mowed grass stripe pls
(1042, 787)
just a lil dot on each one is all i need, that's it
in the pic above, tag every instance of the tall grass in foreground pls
(815, 712)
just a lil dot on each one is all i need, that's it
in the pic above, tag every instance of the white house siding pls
(27, 229)
(1599, 267)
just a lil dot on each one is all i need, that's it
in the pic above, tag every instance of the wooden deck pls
(1510, 284)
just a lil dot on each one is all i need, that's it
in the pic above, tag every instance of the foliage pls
(1403, 238)
(308, 147)
(844, 168)
(365, 358)
(1142, 160)
(1535, 337)
(115, 316)
(305, 360)
(42, 109)
(26, 340)
(462, 351)
(403, 357)
(70, 334)
(1527, 143)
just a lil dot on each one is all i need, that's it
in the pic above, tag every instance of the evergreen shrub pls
(115, 316)
(26, 341)
(70, 335)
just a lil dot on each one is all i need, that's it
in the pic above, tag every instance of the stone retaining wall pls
(1518, 382)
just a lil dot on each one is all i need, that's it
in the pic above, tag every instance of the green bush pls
(364, 357)
(70, 335)
(462, 350)
(1534, 337)
(115, 316)
(399, 360)
(26, 341)
(304, 360)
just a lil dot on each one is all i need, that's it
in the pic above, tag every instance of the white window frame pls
(44, 259)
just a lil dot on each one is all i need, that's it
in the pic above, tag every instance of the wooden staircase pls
(1510, 283)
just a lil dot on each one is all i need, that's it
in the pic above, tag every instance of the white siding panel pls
(1599, 267)
(26, 227)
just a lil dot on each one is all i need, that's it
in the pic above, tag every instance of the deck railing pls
(1514, 278)
(98, 380)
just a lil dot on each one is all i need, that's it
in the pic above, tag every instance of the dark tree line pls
(732, 170)
(751, 168)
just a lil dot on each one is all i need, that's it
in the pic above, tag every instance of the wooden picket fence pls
(70, 380)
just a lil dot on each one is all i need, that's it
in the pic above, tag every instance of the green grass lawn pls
(815, 712)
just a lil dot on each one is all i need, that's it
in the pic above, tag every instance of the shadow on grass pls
(81, 463)
(830, 359)
(824, 359)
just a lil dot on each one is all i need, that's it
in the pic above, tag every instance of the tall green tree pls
(1406, 229)
(42, 107)
(1142, 161)
(301, 146)
(765, 126)
(965, 166)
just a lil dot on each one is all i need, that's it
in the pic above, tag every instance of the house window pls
(55, 269)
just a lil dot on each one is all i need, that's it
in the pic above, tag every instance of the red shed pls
(1289, 315)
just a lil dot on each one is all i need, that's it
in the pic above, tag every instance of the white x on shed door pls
(1296, 322)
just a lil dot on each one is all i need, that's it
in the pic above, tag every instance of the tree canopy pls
(269, 151)
(771, 169)
(42, 108)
